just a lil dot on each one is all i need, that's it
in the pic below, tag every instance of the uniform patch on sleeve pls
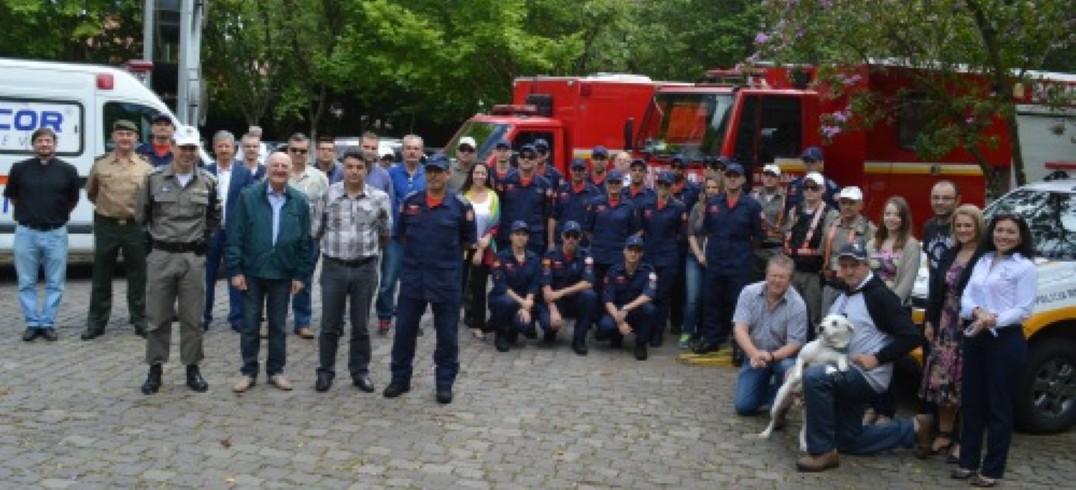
(653, 280)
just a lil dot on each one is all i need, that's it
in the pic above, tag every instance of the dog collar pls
(842, 350)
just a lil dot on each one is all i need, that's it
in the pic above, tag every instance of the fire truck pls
(573, 114)
(771, 114)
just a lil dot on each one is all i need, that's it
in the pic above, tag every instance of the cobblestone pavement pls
(537, 417)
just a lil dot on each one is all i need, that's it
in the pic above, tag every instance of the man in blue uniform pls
(434, 228)
(599, 163)
(543, 165)
(570, 201)
(732, 224)
(812, 162)
(159, 150)
(611, 219)
(568, 288)
(664, 226)
(688, 193)
(526, 197)
(629, 289)
(502, 164)
(515, 289)
(638, 192)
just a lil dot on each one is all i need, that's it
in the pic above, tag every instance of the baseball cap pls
(734, 168)
(812, 154)
(124, 125)
(438, 161)
(614, 176)
(541, 143)
(665, 176)
(187, 136)
(634, 241)
(771, 168)
(387, 152)
(638, 162)
(679, 157)
(528, 147)
(853, 250)
(599, 151)
(578, 163)
(722, 161)
(163, 117)
(520, 225)
(816, 178)
(467, 140)
(851, 192)
(571, 226)
(503, 144)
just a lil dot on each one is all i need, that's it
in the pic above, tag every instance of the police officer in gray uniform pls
(179, 209)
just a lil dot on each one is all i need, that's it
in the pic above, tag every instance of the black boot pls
(195, 380)
(500, 341)
(153, 381)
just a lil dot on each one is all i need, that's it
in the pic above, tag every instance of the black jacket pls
(892, 318)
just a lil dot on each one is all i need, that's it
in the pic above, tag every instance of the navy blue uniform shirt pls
(641, 198)
(610, 226)
(553, 176)
(433, 244)
(688, 193)
(522, 278)
(663, 229)
(731, 233)
(528, 203)
(146, 149)
(560, 271)
(622, 288)
(570, 204)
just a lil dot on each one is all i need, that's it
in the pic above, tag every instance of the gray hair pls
(223, 135)
(781, 260)
(413, 137)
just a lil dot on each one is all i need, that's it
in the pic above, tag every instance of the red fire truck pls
(772, 114)
(574, 114)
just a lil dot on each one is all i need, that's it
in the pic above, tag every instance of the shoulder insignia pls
(589, 261)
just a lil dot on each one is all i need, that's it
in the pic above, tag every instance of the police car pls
(1046, 398)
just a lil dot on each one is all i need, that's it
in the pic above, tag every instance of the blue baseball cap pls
(438, 161)
(599, 151)
(520, 225)
(503, 143)
(853, 250)
(637, 162)
(614, 176)
(812, 154)
(665, 176)
(571, 226)
(634, 241)
(528, 147)
(734, 168)
(541, 143)
(578, 163)
(679, 157)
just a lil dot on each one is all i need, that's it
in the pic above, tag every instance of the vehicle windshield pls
(485, 134)
(1050, 215)
(689, 123)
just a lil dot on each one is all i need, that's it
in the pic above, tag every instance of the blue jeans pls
(693, 274)
(33, 250)
(446, 318)
(301, 304)
(835, 405)
(214, 261)
(757, 387)
(390, 275)
(272, 292)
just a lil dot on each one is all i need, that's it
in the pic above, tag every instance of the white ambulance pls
(78, 101)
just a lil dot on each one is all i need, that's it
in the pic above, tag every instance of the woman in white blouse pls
(998, 297)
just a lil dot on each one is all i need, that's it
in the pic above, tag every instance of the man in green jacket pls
(267, 255)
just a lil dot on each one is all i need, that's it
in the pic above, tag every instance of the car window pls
(1051, 216)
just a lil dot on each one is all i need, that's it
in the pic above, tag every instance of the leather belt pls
(37, 227)
(176, 247)
(351, 263)
(118, 221)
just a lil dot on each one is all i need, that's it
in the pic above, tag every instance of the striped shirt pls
(350, 228)
(771, 329)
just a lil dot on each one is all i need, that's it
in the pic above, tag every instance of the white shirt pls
(224, 177)
(1007, 289)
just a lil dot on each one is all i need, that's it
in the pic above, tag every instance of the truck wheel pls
(1046, 395)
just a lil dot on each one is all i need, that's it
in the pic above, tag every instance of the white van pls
(80, 102)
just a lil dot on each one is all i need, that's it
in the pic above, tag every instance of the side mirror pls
(629, 130)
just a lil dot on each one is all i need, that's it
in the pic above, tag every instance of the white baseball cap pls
(188, 136)
(816, 178)
(467, 140)
(851, 192)
(772, 168)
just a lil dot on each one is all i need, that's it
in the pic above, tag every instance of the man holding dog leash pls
(883, 332)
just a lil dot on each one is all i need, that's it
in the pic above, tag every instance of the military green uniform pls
(113, 186)
(837, 236)
(179, 220)
(773, 222)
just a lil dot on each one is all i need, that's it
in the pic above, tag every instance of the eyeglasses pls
(596, 157)
(298, 151)
(526, 157)
(847, 202)
(464, 149)
(811, 188)
(543, 152)
(571, 235)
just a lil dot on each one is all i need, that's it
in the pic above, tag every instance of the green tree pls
(102, 31)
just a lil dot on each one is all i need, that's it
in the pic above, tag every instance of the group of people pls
(600, 246)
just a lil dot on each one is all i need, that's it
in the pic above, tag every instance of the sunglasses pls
(579, 169)
(571, 236)
(464, 149)
(596, 157)
(732, 175)
(526, 157)
(298, 151)
(811, 188)
(543, 152)
(847, 202)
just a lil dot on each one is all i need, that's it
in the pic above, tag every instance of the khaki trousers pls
(174, 278)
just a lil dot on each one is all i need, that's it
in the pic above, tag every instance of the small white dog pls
(830, 347)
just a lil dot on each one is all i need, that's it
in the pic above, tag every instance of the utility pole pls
(188, 100)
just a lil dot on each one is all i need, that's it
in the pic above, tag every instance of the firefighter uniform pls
(608, 226)
(621, 288)
(731, 229)
(639, 196)
(570, 204)
(560, 271)
(803, 242)
(179, 219)
(522, 278)
(526, 200)
(664, 225)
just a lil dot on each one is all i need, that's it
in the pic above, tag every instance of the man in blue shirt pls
(628, 293)
(526, 197)
(570, 201)
(407, 177)
(568, 288)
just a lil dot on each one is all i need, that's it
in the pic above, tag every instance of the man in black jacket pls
(835, 402)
